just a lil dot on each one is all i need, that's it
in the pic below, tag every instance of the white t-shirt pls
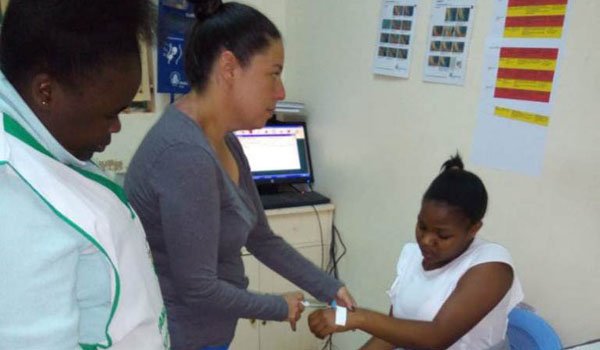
(417, 294)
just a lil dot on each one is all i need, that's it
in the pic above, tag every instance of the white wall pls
(378, 142)
(136, 125)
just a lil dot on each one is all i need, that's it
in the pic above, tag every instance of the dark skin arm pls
(478, 291)
(378, 344)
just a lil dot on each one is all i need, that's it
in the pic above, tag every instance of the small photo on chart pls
(462, 14)
(402, 54)
(434, 61)
(437, 30)
(458, 46)
(460, 31)
(444, 61)
(446, 46)
(435, 46)
(448, 31)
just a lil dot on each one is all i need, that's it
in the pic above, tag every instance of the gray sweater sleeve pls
(187, 184)
(276, 253)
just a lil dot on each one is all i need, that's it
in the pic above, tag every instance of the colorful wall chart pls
(526, 73)
(525, 117)
(521, 65)
(535, 18)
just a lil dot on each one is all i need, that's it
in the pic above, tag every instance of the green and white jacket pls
(54, 209)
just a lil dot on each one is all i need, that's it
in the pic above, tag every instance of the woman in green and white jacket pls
(74, 263)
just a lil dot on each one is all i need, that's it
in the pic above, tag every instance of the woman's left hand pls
(345, 299)
(295, 308)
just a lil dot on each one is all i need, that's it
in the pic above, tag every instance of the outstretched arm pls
(378, 344)
(468, 304)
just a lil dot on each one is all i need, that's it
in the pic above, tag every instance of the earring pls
(45, 91)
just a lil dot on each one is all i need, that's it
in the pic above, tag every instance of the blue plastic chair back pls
(528, 331)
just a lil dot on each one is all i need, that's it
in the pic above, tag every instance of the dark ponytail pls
(459, 188)
(220, 26)
(205, 8)
(455, 162)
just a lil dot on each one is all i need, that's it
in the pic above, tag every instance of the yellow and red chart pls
(526, 73)
(535, 19)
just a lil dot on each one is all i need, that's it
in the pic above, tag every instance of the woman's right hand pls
(295, 307)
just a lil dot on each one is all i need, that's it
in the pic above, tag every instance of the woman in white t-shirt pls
(452, 289)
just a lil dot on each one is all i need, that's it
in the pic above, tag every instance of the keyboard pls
(292, 199)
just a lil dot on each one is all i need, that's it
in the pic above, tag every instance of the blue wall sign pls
(175, 17)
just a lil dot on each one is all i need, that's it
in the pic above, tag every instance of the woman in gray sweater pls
(191, 185)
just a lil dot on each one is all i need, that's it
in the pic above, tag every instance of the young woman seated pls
(453, 290)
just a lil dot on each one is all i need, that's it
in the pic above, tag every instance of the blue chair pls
(528, 331)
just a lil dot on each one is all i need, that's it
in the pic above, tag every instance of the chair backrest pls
(528, 331)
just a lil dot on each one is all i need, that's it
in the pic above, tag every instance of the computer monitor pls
(278, 153)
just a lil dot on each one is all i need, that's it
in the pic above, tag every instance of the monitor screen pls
(277, 153)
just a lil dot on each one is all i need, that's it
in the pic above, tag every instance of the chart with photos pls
(395, 37)
(448, 41)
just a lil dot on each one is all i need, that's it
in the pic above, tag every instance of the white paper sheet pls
(396, 32)
(449, 35)
(521, 64)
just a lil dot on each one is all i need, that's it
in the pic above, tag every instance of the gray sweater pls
(197, 220)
